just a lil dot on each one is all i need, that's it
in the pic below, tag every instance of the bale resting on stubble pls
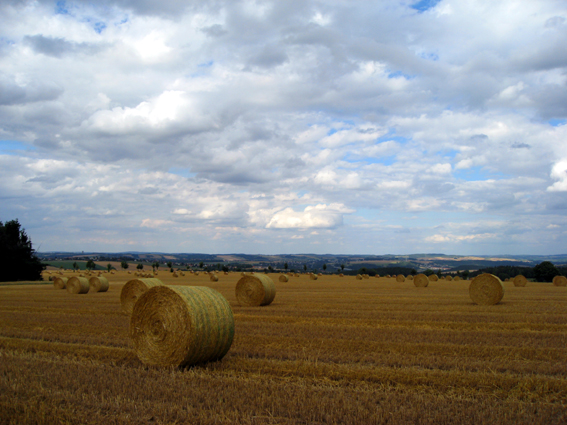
(78, 285)
(60, 282)
(448, 278)
(433, 278)
(98, 284)
(213, 278)
(486, 289)
(181, 326)
(283, 278)
(456, 278)
(420, 280)
(400, 278)
(560, 281)
(358, 277)
(520, 280)
(255, 290)
(133, 289)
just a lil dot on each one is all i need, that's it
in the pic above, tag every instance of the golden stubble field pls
(331, 351)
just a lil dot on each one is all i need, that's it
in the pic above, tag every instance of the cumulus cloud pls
(230, 125)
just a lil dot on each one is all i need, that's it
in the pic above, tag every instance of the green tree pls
(439, 274)
(285, 266)
(90, 264)
(413, 272)
(124, 264)
(225, 268)
(324, 267)
(428, 272)
(271, 269)
(305, 267)
(342, 267)
(201, 265)
(75, 266)
(140, 266)
(465, 274)
(169, 264)
(545, 272)
(17, 256)
(155, 265)
(109, 267)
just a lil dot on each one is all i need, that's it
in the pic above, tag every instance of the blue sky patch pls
(61, 8)
(556, 123)
(99, 27)
(424, 5)
(183, 172)
(206, 64)
(11, 147)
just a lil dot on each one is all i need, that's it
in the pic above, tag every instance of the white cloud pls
(559, 172)
(318, 216)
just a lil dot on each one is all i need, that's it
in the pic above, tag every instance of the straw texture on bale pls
(433, 278)
(560, 281)
(255, 290)
(60, 282)
(78, 285)
(98, 284)
(410, 277)
(449, 278)
(486, 289)
(213, 278)
(313, 277)
(133, 289)
(181, 326)
(520, 280)
(358, 277)
(283, 278)
(420, 280)
(400, 278)
(341, 275)
(456, 278)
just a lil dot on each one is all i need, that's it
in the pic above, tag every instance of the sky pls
(297, 126)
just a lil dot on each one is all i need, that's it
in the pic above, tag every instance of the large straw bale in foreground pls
(78, 285)
(283, 278)
(433, 278)
(98, 284)
(181, 326)
(400, 278)
(255, 290)
(133, 289)
(60, 282)
(520, 280)
(420, 280)
(560, 281)
(486, 289)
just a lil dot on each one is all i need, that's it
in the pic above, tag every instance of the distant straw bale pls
(78, 285)
(181, 326)
(98, 284)
(283, 278)
(449, 278)
(410, 277)
(456, 278)
(213, 278)
(60, 282)
(433, 278)
(400, 278)
(255, 290)
(313, 276)
(486, 289)
(365, 276)
(520, 280)
(358, 277)
(341, 275)
(560, 281)
(133, 289)
(420, 280)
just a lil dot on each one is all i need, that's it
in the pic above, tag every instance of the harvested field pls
(331, 351)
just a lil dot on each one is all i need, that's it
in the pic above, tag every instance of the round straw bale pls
(60, 282)
(175, 274)
(181, 326)
(255, 290)
(358, 277)
(433, 278)
(226, 273)
(341, 275)
(133, 289)
(457, 278)
(213, 278)
(400, 278)
(78, 285)
(420, 280)
(319, 274)
(560, 281)
(283, 278)
(297, 275)
(486, 289)
(449, 278)
(313, 276)
(98, 284)
(365, 276)
(410, 277)
(520, 280)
